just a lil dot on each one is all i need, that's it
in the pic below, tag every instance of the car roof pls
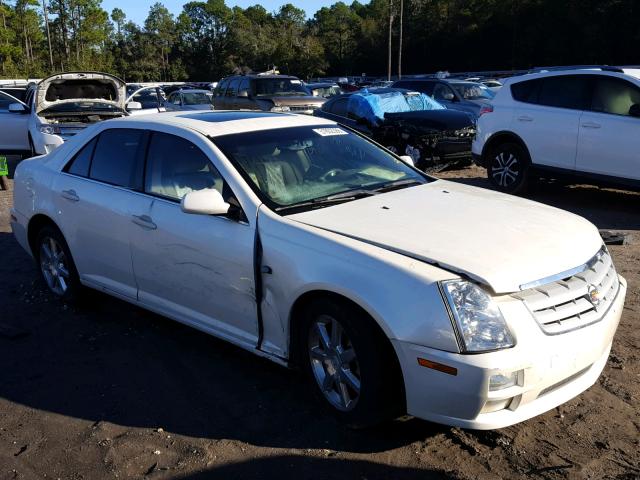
(194, 90)
(223, 122)
(321, 84)
(626, 73)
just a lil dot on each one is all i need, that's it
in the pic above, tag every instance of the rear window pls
(70, 89)
(115, 158)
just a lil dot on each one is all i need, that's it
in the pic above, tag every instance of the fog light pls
(500, 381)
(495, 405)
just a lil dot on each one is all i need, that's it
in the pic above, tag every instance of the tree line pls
(210, 39)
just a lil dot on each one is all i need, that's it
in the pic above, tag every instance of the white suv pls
(582, 123)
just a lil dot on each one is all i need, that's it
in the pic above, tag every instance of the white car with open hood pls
(304, 242)
(58, 107)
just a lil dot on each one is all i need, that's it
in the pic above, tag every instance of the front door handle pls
(525, 118)
(591, 125)
(70, 195)
(144, 221)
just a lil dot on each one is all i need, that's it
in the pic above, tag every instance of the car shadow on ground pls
(109, 361)
(606, 208)
(310, 468)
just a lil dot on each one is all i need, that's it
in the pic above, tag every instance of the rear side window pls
(175, 167)
(79, 165)
(614, 95)
(567, 91)
(115, 160)
(526, 91)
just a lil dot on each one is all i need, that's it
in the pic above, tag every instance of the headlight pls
(279, 108)
(479, 321)
(50, 129)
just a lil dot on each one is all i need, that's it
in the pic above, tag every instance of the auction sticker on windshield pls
(328, 132)
(4, 167)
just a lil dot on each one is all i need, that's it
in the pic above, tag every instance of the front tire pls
(57, 269)
(508, 167)
(350, 364)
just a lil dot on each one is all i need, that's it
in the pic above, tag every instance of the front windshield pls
(289, 166)
(279, 86)
(473, 91)
(196, 98)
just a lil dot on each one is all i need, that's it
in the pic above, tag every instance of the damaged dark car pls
(407, 123)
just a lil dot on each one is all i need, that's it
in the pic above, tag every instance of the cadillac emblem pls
(593, 295)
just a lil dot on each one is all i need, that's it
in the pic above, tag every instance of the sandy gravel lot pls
(107, 391)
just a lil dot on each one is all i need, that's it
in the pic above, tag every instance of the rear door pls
(14, 126)
(609, 139)
(547, 117)
(96, 198)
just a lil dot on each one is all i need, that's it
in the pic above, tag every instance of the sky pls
(137, 10)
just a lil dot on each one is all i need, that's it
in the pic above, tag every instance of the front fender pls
(398, 292)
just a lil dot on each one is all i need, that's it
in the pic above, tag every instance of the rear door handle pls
(525, 118)
(144, 221)
(70, 195)
(591, 125)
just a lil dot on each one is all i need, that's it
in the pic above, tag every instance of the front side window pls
(290, 166)
(176, 166)
(232, 90)
(115, 157)
(614, 95)
(5, 101)
(443, 92)
(222, 86)
(473, 91)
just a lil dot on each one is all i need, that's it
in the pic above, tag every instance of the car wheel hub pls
(53, 265)
(334, 363)
(505, 169)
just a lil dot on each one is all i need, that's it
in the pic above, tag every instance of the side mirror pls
(17, 108)
(449, 97)
(634, 111)
(243, 94)
(134, 106)
(408, 160)
(204, 202)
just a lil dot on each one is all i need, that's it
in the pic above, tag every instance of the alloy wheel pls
(505, 169)
(334, 363)
(54, 266)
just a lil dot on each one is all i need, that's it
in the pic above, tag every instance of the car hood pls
(432, 119)
(499, 240)
(293, 101)
(83, 87)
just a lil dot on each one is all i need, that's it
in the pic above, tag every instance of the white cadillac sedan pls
(304, 242)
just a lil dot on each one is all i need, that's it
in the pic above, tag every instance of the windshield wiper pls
(397, 184)
(330, 199)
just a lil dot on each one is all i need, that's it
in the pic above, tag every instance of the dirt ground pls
(107, 390)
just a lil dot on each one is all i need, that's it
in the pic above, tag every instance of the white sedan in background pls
(306, 243)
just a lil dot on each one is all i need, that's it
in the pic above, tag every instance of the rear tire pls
(508, 167)
(56, 266)
(351, 366)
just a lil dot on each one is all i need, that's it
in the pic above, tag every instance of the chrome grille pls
(576, 301)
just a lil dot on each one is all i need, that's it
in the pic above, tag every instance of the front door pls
(195, 268)
(609, 140)
(14, 126)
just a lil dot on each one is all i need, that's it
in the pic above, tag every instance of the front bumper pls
(552, 369)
